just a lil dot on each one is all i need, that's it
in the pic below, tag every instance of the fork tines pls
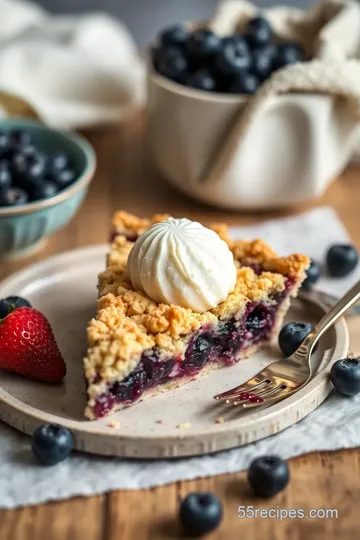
(253, 393)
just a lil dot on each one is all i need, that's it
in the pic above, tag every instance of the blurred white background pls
(145, 17)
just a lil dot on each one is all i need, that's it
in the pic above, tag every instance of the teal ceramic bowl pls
(24, 229)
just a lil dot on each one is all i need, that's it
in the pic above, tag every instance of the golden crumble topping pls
(124, 223)
(128, 322)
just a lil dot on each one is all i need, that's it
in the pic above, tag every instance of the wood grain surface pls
(126, 179)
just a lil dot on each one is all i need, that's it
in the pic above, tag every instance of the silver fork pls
(281, 379)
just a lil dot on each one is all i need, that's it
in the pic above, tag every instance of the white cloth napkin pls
(335, 424)
(76, 71)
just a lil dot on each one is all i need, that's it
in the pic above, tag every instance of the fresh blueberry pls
(244, 83)
(202, 80)
(270, 49)
(292, 335)
(174, 35)
(14, 197)
(10, 303)
(28, 150)
(58, 162)
(197, 354)
(5, 163)
(51, 444)
(171, 63)
(261, 63)
(22, 157)
(131, 387)
(258, 32)
(44, 190)
(313, 275)
(288, 53)
(233, 57)
(345, 376)
(20, 138)
(154, 368)
(5, 178)
(203, 43)
(64, 178)
(29, 168)
(268, 475)
(200, 513)
(341, 260)
(5, 144)
(257, 319)
(227, 40)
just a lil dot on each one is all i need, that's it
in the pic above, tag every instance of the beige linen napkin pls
(75, 71)
(330, 35)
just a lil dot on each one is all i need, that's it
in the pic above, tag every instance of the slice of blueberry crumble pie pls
(140, 346)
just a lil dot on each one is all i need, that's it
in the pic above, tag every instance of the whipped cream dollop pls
(178, 261)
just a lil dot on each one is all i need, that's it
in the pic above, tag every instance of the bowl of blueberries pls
(44, 177)
(199, 85)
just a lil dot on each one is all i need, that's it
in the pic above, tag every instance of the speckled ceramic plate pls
(64, 289)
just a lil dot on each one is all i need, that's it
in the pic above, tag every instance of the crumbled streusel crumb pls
(184, 425)
(114, 424)
(220, 420)
(160, 421)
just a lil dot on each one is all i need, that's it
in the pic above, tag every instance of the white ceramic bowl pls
(298, 144)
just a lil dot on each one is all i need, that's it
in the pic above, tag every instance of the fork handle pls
(350, 298)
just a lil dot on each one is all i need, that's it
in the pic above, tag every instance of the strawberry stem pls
(12, 308)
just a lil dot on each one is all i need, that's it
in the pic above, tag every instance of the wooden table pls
(125, 179)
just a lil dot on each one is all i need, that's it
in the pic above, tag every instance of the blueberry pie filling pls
(138, 348)
(209, 346)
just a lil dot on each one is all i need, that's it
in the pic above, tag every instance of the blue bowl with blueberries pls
(44, 177)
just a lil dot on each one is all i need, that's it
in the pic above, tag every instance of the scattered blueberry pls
(203, 43)
(341, 260)
(312, 275)
(288, 53)
(345, 376)
(202, 80)
(292, 335)
(258, 32)
(14, 197)
(51, 444)
(200, 513)
(174, 35)
(233, 57)
(268, 475)
(10, 303)
(244, 83)
(171, 63)
(44, 190)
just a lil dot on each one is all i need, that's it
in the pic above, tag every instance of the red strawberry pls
(28, 346)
